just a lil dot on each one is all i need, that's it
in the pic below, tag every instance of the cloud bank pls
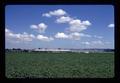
(19, 36)
(25, 36)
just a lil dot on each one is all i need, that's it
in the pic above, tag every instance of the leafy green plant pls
(59, 65)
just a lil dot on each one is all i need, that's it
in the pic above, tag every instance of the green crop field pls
(59, 65)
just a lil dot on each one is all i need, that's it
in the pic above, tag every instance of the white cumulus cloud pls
(40, 27)
(34, 27)
(63, 19)
(58, 12)
(111, 25)
(46, 15)
(86, 23)
(44, 38)
(78, 25)
(61, 35)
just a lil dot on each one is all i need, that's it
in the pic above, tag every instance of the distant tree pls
(59, 48)
(13, 49)
(25, 50)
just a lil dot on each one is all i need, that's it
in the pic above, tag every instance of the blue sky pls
(81, 26)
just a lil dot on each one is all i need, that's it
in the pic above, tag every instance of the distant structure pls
(56, 50)
(52, 50)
